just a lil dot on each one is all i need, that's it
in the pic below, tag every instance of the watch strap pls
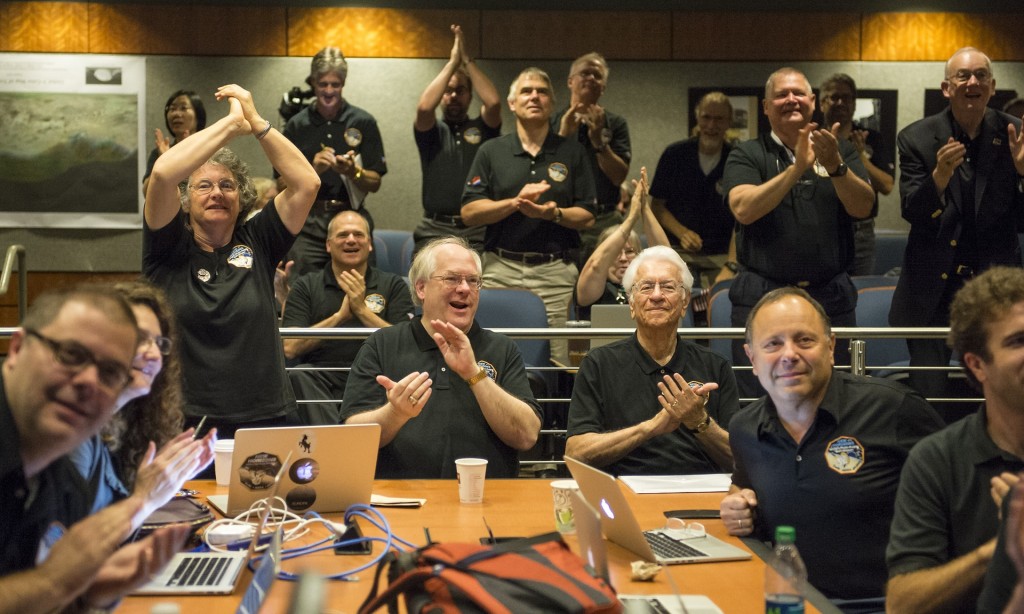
(481, 374)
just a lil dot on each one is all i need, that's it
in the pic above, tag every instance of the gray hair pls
(327, 60)
(785, 70)
(963, 50)
(247, 195)
(425, 262)
(661, 253)
(532, 71)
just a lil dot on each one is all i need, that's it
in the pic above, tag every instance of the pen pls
(199, 427)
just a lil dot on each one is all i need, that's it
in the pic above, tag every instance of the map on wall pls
(70, 140)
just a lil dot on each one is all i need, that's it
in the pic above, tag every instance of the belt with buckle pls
(451, 220)
(530, 258)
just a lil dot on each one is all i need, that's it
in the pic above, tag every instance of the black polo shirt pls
(617, 131)
(446, 153)
(837, 486)
(501, 169)
(316, 296)
(353, 129)
(617, 387)
(696, 200)
(450, 425)
(61, 496)
(808, 237)
(943, 506)
(231, 355)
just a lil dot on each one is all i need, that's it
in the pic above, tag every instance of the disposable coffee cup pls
(562, 491)
(471, 472)
(222, 451)
(578, 348)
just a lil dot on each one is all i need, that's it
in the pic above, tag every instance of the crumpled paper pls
(642, 571)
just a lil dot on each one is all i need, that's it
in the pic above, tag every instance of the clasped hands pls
(681, 404)
(526, 201)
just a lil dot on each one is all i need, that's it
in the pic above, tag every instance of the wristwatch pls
(733, 266)
(481, 374)
(703, 425)
(840, 170)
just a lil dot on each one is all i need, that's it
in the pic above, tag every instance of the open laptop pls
(213, 573)
(665, 546)
(332, 467)
(609, 316)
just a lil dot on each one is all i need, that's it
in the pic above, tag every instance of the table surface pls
(511, 508)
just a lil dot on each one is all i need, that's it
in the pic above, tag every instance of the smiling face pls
(327, 88)
(838, 104)
(660, 308)
(348, 241)
(587, 81)
(968, 97)
(788, 102)
(532, 102)
(1002, 375)
(791, 351)
(220, 204)
(457, 305)
(148, 360)
(55, 407)
(181, 116)
(713, 120)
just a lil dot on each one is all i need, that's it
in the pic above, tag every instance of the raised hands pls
(408, 395)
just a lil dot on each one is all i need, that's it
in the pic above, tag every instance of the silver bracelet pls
(263, 133)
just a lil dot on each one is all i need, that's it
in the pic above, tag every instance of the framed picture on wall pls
(876, 110)
(747, 118)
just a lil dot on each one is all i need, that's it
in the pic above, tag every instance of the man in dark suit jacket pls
(962, 191)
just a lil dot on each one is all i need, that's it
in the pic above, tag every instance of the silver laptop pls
(665, 546)
(212, 573)
(332, 467)
(609, 316)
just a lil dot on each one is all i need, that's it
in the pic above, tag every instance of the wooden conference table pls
(512, 508)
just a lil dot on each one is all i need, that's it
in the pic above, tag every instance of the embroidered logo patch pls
(375, 303)
(488, 368)
(558, 172)
(241, 257)
(353, 137)
(844, 455)
(203, 275)
(472, 135)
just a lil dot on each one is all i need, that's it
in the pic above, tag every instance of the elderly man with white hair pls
(654, 403)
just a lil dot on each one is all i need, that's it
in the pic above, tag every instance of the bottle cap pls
(785, 534)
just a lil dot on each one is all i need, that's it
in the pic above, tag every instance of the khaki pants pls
(552, 282)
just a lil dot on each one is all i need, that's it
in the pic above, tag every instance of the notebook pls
(665, 546)
(332, 467)
(212, 573)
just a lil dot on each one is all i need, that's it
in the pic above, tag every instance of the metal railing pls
(16, 253)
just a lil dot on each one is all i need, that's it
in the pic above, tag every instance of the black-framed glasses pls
(73, 355)
(963, 76)
(205, 186)
(452, 281)
(163, 344)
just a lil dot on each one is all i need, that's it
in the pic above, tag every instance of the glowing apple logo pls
(607, 509)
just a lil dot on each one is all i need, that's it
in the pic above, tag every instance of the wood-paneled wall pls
(84, 27)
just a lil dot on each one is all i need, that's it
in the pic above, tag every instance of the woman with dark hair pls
(123, 458)
(184, 114)
(218, 269)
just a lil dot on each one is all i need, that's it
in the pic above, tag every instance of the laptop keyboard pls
(200, 570)
(667, 548)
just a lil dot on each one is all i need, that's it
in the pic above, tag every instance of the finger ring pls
(675, 403)
(413, 400)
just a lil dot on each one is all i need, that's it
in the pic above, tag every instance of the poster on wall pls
(70, 139)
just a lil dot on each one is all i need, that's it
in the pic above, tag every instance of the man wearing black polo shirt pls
(441, 387)
(947, 507)
(343, 144)
(59, 385)
(448, 147)
(821, 452)
(534, 190)
(604, 134)
(795, 193)
(644, 405)
(347, 293)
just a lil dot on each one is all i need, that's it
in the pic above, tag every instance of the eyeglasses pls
(163, 344)
(73, 355)
(694, 530)
(452, 281)
(628, 252)
(205, 186)
(963, 76)
(647, 286)
(181, 108)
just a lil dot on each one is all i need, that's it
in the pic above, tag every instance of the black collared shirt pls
(617, 387)
(446, 153)
(837, 486)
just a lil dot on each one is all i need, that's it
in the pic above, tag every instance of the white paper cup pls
(565, 522)
(222, 451)
(471, 472)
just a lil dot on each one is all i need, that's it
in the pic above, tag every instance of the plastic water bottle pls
(785, 575)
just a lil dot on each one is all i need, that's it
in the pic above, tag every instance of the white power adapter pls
(228, 533)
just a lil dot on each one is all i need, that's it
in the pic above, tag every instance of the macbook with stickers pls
(669, 546)
(331, 467)
(212, 573)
